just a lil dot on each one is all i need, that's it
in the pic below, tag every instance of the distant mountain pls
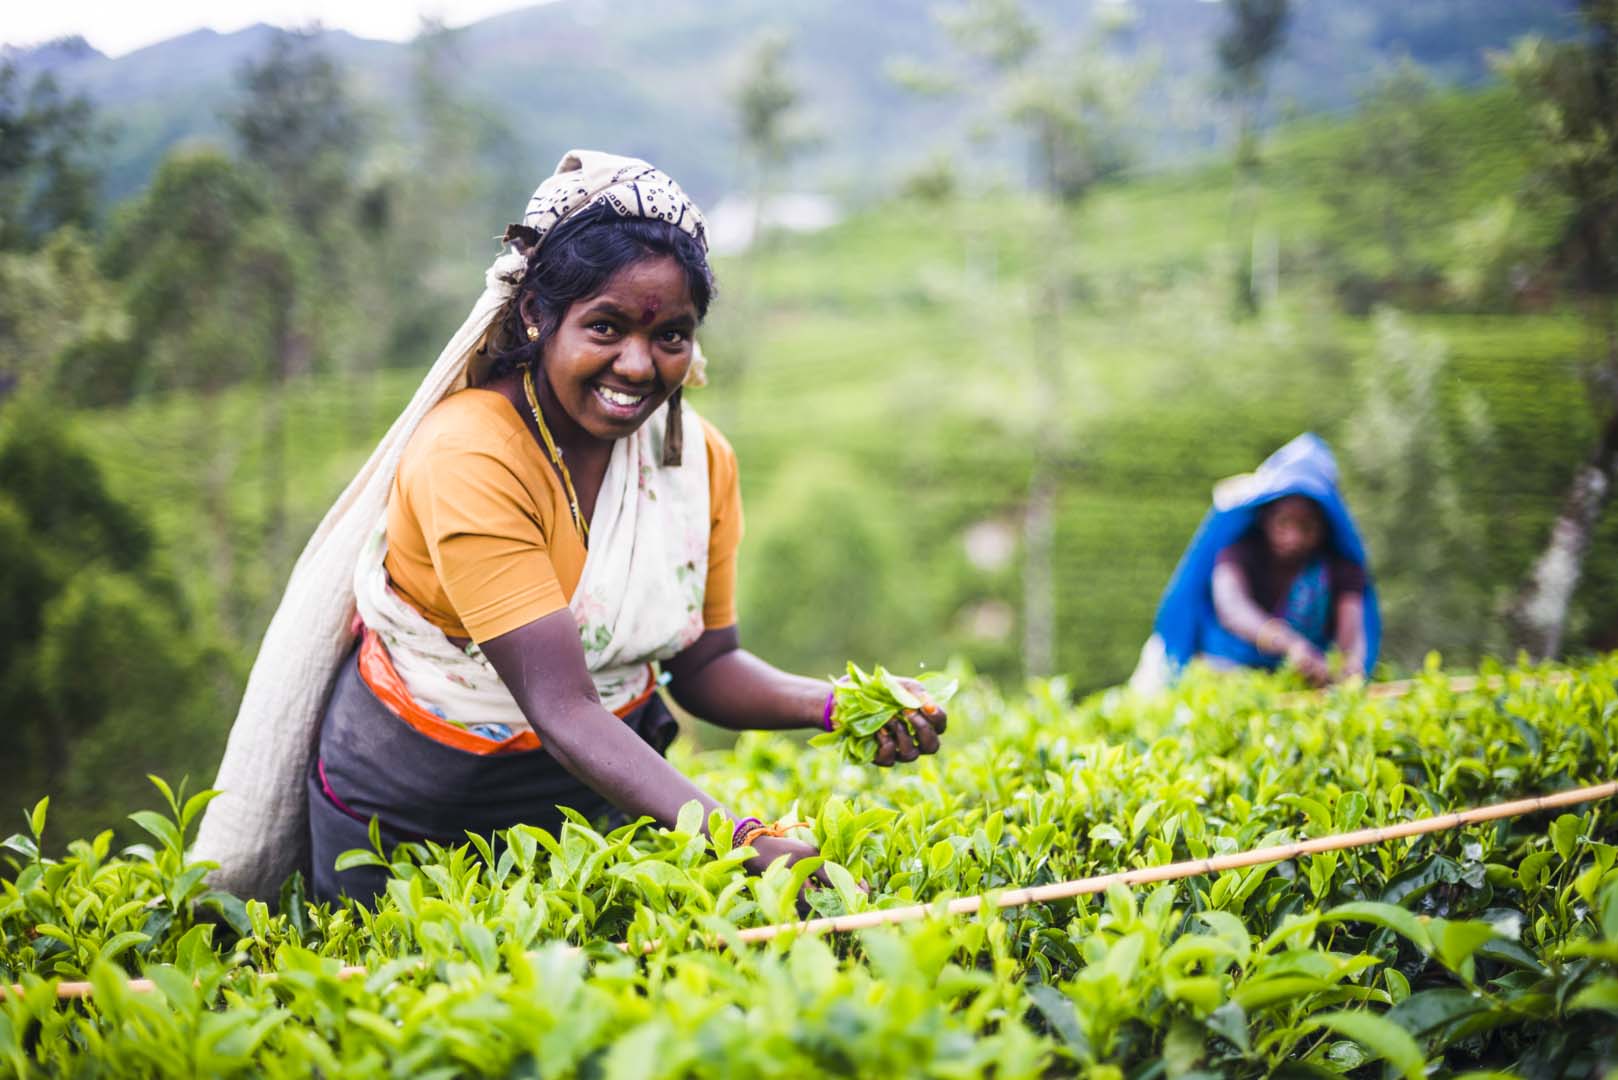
(52, 55)
(655, 77)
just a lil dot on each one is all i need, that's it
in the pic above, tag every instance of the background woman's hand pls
(911, 734)
(1309, 660)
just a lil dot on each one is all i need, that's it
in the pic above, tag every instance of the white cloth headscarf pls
(257, 828)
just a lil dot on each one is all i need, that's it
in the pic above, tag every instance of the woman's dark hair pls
(575, 262)
(1266, 510)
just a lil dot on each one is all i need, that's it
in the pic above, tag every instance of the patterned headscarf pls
(585, 178)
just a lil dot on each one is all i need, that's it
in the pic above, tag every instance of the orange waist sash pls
(376, 668)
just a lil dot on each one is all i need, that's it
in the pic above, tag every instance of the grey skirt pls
(372, 763)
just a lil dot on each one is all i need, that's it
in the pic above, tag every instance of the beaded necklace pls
(556, 456)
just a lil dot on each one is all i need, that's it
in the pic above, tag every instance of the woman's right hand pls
(1309, 660)
(770, 848)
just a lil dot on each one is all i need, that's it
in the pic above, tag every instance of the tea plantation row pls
(1490, 949)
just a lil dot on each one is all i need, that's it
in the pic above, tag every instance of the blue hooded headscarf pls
(1186, 622)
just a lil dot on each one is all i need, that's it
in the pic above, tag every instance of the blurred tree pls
(1388, 185)
(216, 284)
(1256, 31)
(305, 266)
(435, 211)
(1068, 96)
(178, 253)
(1407, 449)
(58, 317)
(47, 140)
(89, 630)
(1069, 99)
(768, 108)
(1572, 88)
(50, 293)
(297, 123)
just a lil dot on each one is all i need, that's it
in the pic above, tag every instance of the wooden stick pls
(1066, 890)
(1459, 684)
(144, 986)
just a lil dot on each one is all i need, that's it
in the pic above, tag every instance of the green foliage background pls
(228, 366)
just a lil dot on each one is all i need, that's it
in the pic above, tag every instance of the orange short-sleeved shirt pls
(480, 537)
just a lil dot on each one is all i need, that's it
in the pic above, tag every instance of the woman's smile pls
(621, 403)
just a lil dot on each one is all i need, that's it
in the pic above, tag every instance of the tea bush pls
(1488, 949)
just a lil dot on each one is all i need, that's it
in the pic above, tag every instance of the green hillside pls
(877, 382)
(658, 75)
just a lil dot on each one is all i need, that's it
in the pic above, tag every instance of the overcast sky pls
(118, 26)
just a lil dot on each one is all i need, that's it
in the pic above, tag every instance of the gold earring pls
(533, 333)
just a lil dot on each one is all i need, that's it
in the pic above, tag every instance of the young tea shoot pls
(865, 703)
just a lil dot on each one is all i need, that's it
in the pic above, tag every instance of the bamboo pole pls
(1066, 890)
(1458, 684)
(145, 986)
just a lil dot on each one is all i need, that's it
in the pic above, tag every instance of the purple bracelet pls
(741, 829)
(831, 707)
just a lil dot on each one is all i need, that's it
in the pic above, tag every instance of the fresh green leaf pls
(1381, 1036)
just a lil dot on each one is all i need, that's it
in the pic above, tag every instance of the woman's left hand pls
(912, 733)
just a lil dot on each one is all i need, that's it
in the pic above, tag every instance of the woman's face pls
(1293, 527)
(618, 355)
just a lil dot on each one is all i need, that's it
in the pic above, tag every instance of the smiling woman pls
(559, 538)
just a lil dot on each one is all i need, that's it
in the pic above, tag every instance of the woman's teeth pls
(622, 400)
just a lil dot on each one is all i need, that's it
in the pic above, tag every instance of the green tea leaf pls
(159, 826)
(230, 908)
(1428, 1010)
(940, 687)
(1390, 916)
(1564, 834)
(36, 819)
(899, 692)
(1350, 811)
(1232, 932)
(118, 944)
(1182, 1048)
(1454, 943)
(1381, 1036)
(690, 818)
(1059, 1012)
(1230, 1022)
(195, 805)
(355, 857)
(1598, 995)
(194, 951)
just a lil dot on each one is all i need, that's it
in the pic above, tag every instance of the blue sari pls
(1186, 622)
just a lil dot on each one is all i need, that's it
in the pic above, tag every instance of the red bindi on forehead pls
(649, 309)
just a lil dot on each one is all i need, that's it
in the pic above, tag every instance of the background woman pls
(1275, 574)
(1284, 591)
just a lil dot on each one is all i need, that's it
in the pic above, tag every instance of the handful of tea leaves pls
(864, 703)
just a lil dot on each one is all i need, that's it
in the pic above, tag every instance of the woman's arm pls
(1241, 615)
(1350, 635)
(543, 665)
(718, 680)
